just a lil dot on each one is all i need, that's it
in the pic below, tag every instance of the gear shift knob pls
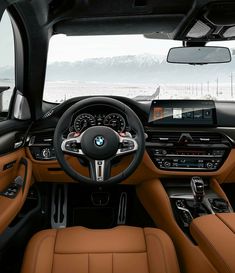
(197, 185)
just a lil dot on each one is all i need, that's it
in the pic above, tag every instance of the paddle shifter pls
(197, 185)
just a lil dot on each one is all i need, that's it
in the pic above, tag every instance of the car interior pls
(117, 136)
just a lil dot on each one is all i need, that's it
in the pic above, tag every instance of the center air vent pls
(163, 137)
(191, 138)
(207, 138)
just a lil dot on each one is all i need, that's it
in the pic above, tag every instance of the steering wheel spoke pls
(72, 146)
(100, 170)
(127, 145)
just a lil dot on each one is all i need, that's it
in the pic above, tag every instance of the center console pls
(191, 198)
(215, 236)
(180, 150)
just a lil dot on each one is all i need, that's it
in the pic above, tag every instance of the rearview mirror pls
(199, 55)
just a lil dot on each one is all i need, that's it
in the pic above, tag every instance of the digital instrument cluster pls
(113, 120)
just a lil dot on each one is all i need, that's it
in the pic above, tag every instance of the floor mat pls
(104, 207)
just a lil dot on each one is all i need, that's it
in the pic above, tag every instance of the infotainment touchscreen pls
(183, 112)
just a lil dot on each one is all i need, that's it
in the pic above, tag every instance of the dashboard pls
(181, 136)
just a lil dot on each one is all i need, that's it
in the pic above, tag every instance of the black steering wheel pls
(100, 144)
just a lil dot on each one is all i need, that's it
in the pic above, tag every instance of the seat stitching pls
(213, 248)
(112, 262)
(88, 262)
(105, 252)
(224, 221)
(53, 258)
(163, 250)
(146, 248)
(37, 250)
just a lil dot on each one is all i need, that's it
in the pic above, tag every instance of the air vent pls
(207, 138)
(44, 139)
(192, 138)
(156, 137)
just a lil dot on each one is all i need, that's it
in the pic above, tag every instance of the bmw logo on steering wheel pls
(99, 141)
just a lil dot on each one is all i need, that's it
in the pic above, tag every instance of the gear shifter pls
(197, 185)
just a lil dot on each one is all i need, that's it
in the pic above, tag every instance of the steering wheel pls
(99, 144)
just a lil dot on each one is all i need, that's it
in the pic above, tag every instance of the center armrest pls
(215, 235)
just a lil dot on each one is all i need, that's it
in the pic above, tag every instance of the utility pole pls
(217, 87)
(232, 84)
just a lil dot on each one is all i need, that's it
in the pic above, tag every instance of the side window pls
(7, 65)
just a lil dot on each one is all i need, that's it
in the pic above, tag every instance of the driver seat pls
(121, 249)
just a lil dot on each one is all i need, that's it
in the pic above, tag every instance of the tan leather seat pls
(119, 250)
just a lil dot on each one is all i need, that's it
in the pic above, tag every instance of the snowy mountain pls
(143, 68)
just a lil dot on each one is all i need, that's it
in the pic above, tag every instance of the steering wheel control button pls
(99, 141)
(72, 146)
(127, 145)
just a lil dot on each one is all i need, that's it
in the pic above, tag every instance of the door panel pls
(15, 164)
(9, 165)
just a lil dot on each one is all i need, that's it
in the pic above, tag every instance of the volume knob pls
(46, 153)
(209, 165)
(167, 164)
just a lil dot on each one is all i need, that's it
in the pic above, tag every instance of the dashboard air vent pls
(44, 139)
(156, 137)
(192, 138)
(210, 138)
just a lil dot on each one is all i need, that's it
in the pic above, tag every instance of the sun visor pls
(119, 25)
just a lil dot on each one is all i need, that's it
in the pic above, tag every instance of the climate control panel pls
(188, 159)
(188, 151)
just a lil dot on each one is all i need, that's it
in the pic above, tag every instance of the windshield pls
(131, 66)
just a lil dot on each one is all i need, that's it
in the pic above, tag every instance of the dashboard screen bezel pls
(177, 113)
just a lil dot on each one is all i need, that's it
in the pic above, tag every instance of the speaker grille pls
(198, 30)
(230, 32)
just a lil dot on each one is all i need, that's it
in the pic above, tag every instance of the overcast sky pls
(6, 42)
(63, 48)
(72, 48)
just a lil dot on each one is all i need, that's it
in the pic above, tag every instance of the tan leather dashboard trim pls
(42, 173)
(146, 170)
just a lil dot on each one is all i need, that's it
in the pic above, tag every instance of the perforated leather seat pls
(119, 250)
